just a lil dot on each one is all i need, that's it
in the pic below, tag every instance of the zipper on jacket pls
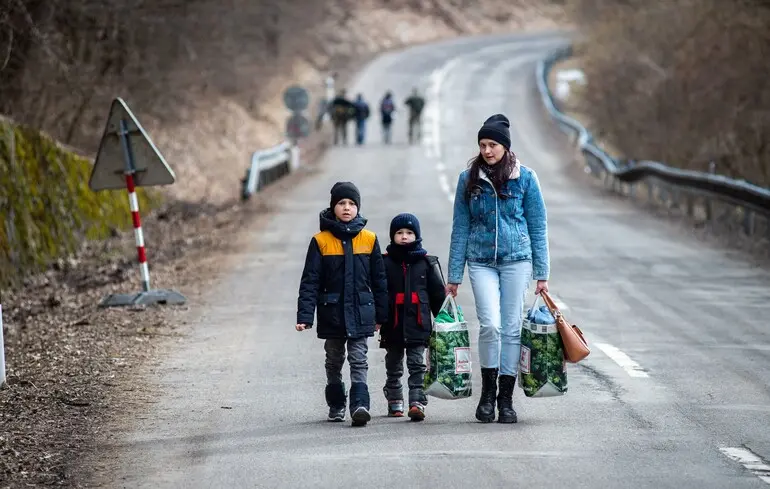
(497, 213)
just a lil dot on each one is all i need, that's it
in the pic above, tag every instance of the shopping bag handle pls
(550, 304)
(449, 300)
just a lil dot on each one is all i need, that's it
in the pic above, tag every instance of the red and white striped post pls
(133, 203)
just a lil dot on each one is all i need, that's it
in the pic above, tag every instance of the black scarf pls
(496, 174)
(408, 253)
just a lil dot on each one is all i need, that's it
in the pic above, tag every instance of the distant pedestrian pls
(387, 108)
(362, 114)
(343, 110)
(416, 104)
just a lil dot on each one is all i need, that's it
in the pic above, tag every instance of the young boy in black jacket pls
(415, 290)
(344, 280)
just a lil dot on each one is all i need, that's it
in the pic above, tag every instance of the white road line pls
(750, 460)
(632, 368)
(443, 181)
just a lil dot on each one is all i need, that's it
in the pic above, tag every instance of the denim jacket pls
(492, 230)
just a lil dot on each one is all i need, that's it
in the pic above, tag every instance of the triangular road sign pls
(109, 169)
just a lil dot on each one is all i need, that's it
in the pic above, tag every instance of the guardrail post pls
(294, 158)
(689, 205)
(748, 221)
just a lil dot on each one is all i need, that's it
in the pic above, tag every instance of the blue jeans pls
(499, 293)
(360, 131)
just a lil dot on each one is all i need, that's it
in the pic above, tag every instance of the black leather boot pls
(485, 411)
(505, 400)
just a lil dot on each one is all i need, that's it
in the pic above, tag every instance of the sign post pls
(127, 158)
(296, 100)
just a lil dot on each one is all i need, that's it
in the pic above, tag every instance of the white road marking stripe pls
(444, 183)
(750, 460)
(632, 368)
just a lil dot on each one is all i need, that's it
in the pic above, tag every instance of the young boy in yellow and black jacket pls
(344, 284)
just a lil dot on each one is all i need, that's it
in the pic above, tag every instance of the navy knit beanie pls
(497, 128)
(405, 221)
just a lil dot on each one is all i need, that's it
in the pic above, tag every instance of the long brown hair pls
(498, 173)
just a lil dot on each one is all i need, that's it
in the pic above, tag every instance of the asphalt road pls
(679, 377)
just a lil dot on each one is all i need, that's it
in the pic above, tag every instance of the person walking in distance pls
(415, 103)
(499, 228)
(343, 110)
(362, 114)
(343, 283)
(415, 290)
(387, 108)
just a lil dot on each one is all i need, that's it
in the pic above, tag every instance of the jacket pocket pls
(425, 319)
(329, 309)
(366, 308)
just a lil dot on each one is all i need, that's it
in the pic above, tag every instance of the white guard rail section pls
(269, 165)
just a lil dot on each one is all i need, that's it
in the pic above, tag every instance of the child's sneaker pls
(396, 409)
(337, 414)
(361, 416)
(335, 399)
(416, 411)
(359, 404)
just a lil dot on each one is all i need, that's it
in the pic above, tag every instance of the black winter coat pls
(343, 281)
(415, 290)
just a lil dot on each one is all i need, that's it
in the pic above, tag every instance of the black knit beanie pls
(497, 128)
(345, 190)
(405, 221)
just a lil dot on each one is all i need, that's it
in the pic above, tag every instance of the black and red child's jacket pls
(415, 290)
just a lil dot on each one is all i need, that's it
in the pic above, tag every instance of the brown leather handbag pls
(575, 346)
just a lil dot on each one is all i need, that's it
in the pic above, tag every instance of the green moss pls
(46, 206)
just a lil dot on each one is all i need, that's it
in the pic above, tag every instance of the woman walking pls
(499, 228)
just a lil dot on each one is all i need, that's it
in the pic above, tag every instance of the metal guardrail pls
(670, 184)
(269, 165)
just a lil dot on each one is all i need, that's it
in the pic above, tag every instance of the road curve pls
(676, 393)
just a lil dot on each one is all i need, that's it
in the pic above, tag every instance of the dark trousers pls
(340, 132)
(357, 349)
(415, 364)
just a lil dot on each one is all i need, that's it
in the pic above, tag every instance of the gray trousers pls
(394, 365)
(335, 359)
